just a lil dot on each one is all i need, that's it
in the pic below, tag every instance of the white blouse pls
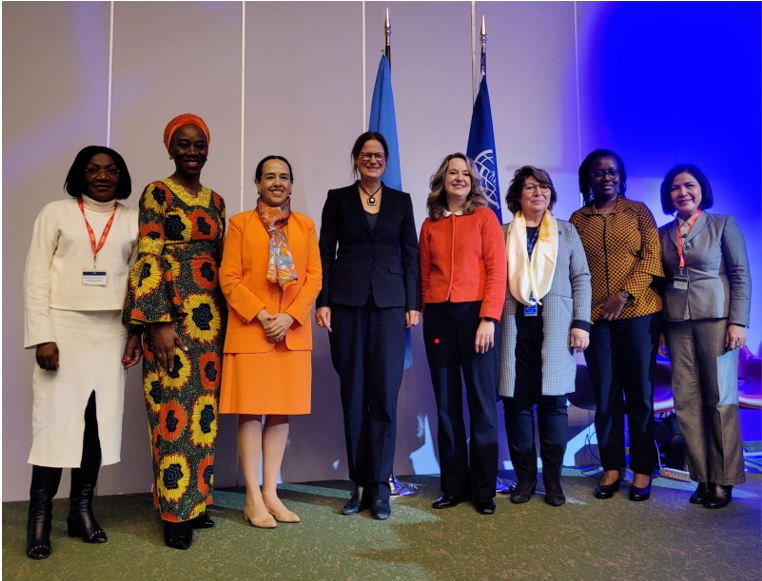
(61, 251)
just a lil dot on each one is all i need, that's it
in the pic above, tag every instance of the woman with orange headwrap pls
(174, 291)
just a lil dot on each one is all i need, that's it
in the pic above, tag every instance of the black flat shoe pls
(604, 491)
(448, 501)
(699, 495)
(718, 496)
(638, 494)
(181, 540)
(202, 521)
(523, 492)
(487, 507)
(355, 503)
(555, 497)
(380, 509)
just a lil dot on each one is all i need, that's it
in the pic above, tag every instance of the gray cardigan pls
(568, 299)
(717, 268)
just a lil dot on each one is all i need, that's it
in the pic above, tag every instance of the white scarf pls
(531, 277)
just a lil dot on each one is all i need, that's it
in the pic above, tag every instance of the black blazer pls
(383, 262)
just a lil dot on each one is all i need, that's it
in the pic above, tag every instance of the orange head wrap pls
(179, 121)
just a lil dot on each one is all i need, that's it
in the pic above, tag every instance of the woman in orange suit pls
(270, 276)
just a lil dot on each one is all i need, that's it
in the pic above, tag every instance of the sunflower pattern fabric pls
(175, 279)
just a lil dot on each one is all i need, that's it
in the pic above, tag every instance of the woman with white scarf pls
(546, 319)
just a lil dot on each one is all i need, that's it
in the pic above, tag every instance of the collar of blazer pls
(701, 222)
(354, 200)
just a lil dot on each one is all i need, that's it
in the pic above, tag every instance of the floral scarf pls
(280, 267)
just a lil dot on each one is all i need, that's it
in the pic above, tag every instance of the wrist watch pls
(627, 296)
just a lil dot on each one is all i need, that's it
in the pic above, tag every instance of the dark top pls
(372, 220)
(380, 261)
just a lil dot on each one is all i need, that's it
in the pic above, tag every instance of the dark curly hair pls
(513, 197)
(585, 180)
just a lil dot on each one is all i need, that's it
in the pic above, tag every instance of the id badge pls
(530, 310)
(94, 277)
(680, 284)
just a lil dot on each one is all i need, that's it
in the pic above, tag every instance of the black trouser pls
(368, 353)
(622, 359)
(519, 418)
(449, 332)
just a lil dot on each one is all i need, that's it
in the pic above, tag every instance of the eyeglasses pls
(599, 175)
(532, 188)
(368, 156)
(94, 171)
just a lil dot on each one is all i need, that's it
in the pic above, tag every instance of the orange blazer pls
(245, 286)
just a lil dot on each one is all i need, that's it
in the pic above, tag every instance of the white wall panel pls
(531, 78)
(55, 82)
(304, 101)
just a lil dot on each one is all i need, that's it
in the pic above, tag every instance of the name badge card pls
(94, 277)
(530, 310)
(680, 283)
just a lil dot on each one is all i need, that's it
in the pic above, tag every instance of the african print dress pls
(175, 279)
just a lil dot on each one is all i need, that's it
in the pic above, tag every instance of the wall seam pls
(364, 84)
(110, 71)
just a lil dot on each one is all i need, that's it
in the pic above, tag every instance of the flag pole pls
(387, 36)
(396, 487)
(483, 37)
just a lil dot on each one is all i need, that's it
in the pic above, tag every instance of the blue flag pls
(481, 147)
(384, 121)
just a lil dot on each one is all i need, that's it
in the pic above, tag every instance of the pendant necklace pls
(372, 201)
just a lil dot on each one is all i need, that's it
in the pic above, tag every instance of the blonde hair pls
(437, 199)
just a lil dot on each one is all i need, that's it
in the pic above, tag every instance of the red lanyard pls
(681, 237)
(106, 230)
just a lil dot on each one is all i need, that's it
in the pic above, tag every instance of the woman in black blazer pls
(371, 294)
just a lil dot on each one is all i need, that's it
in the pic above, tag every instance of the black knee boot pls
(44, 486)
(81, 520)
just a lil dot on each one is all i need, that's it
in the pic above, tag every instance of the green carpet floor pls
(586, 539)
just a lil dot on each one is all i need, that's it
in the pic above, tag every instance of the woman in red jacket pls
(463, 278)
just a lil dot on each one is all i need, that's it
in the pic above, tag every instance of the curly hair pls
(585, 181)
(437, 200)
(513, 196)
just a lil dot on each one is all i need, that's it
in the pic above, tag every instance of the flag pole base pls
(504, 485)
(401, 488)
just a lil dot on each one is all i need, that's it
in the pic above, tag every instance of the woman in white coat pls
(75, 283)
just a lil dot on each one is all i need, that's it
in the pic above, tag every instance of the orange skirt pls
(278, 382)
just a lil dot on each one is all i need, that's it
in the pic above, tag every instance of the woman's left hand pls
(735, 338)
(485, 336)
(133, 351)
(412, 318)
(613, 306)
(276, 328)
(580, 339)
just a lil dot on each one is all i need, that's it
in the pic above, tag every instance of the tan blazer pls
(243, 282)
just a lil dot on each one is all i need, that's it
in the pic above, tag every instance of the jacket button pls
(370, 261)
(686, 247)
